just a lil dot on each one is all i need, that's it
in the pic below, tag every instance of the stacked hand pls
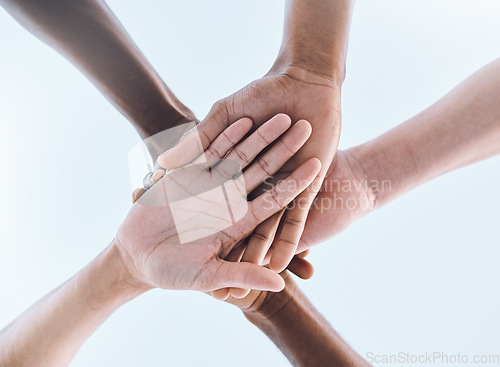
(160, 251)
(301, 95)
(344, 197)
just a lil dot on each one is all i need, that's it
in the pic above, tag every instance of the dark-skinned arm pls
(302, 334)
(89, 35)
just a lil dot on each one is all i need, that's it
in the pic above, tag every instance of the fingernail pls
(157, 176)
(137, 194)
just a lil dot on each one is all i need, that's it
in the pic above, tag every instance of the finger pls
(239, 292)
(303, 254)
(220, 294)
(236, 253)
(247, 276)
(282, 194)
(261, 238)
(233, 256)
(157, 176)
(226, 140)
(293, 224)
(267, 165)
(137, 194)
(301, 267)
(245, 152)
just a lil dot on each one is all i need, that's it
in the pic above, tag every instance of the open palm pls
(177, 234)
(300, 95)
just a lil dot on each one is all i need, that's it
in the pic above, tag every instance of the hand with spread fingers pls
(178, 233)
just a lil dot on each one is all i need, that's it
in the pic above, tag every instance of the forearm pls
(88, 34)
(52, 330)
(300, 332)
(460, 129)
(315, 37)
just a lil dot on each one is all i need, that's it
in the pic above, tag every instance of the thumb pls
(248, 276)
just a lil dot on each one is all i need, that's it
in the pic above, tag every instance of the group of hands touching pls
(298, 157)
(230, 261)
(282, 132)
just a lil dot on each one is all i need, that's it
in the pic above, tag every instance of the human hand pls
(159, 255)
(254, 299)
(268, 303)
(346, 195)
(301, 95)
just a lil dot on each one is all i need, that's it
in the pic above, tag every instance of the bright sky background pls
(420, 275)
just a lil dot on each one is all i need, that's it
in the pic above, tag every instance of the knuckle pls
(219, 106)
(293, 222)
(220, 113)
(226, 136)
(287, 147)
(214, 152)
(261, 236)
(287, 242)
(264, 165)
(252, 213)
(241, 155)
(263, 137)
(275, 196)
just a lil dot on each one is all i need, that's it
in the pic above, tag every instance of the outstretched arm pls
(51, 331)
(297, 328)
(89, 35)
(460, 129)
(162, 244)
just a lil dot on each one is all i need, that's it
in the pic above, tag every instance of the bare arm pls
(89, 35)
(315, 37)
(460, 129)
(297, 328)
(51, 331)
(148, 251)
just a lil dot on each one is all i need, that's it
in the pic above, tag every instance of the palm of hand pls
(178, 233)
(185, 215)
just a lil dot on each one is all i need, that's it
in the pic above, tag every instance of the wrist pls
(315, 38)
(270, 304)
(372, 161)
(309, 65)
(114, 282)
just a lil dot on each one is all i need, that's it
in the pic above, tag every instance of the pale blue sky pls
(419, 275)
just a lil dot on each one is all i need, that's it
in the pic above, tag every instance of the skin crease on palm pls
(304, 83)
(297, 94)
(322, 222)
(153, 226)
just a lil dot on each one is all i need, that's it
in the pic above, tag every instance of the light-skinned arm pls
(51, 331)
(154, 249)
(460, 129)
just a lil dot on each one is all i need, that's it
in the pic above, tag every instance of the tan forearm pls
(460, 129)
(51, 331)
(315, 37)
